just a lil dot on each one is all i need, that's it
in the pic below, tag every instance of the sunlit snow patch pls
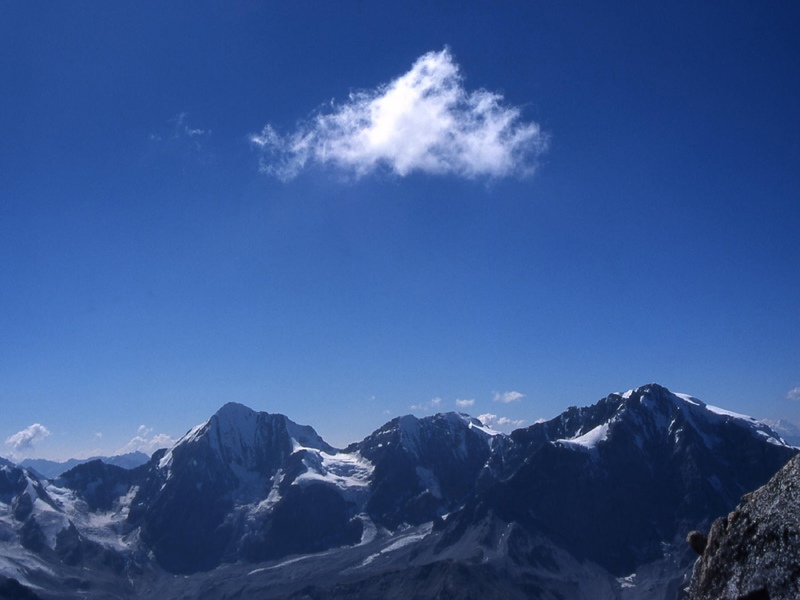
(589, 440)
(345, 471)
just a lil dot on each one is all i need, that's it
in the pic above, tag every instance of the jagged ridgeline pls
(595, 503)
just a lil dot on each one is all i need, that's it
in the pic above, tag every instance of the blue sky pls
(621, 209)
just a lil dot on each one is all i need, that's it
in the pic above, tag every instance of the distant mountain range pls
(594, 504)
(787, 430)
(49, 469)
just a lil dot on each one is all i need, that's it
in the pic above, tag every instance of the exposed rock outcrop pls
(697, 541)
(754, 552)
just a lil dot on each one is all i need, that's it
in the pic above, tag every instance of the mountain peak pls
(234, 411)
(409, 426)
(236, 428)
(669, 410)
(654, 390)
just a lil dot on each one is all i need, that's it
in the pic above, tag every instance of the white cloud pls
(180, 130)
(793, 394)
(424, 406)
(27, 438)
(146, 443)
(181, 141)
(500, 423)
(507, 397)
(465, 403)
(99, 435)
(422, 121)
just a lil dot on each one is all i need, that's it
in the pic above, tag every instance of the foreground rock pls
(754, 552)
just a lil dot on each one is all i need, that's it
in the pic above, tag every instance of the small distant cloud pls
(507, 397)
(423, 121)
(27, 438)
(180, 138)
(425, 406)
(180, 129)
(539, 421)
(793, 394)
(99, 435)
(147, 443)
(162, 440)
(371, 398)
(465, 403)
(500, 423)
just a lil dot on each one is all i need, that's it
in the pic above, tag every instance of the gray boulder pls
(754, 552)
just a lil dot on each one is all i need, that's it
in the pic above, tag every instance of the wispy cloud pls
(425, 121)
(180, 130)
(27, 438)
(431, 404)
(146, 442)
(793, 394)
(182, 140)
(465, 403)
(507, 397)
(500, 423)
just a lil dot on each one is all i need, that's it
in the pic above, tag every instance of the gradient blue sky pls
(152, 272)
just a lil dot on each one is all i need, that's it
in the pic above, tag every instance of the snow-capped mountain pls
(423, 468)
(592, 504)
(49, 536)
(245, 485)
(615, 482)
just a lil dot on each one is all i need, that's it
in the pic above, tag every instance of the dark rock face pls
(312, 518)
(183, 519)
(22, 507)
(423, 467)
(31, 536)
(697, 541)
(74, 549)
(187, 499)
(754, 552)
(11, 589)
(99, 484)
(12, 483)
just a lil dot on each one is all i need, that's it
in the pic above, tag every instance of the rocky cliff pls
(754, 552)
